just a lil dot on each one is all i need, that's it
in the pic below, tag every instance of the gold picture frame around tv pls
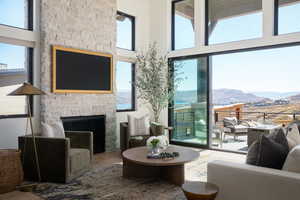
(81, 71)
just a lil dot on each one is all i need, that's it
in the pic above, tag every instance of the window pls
(230, 21)
(288, 16)
(16, 13)
(189, 110)
(259, 87)
(125, 31)
(125, 90)
(183, 33)
(15, 68)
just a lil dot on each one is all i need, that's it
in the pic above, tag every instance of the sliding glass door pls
(188, 112)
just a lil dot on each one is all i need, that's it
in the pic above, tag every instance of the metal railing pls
(187, 123)
(280, 118)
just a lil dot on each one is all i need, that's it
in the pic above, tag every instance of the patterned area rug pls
(107, 183)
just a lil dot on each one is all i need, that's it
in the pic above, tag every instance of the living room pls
(151, 122)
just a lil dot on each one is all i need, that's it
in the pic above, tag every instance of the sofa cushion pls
(240, 129)
(47, 130)
(79, 159)
(138, 124)
(292, 162)
(293, 135)
(59, 130)
(269, 151)
(230, 121)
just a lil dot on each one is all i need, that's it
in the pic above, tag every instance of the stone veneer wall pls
(81, 24)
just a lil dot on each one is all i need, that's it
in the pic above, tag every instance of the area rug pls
(107, 183)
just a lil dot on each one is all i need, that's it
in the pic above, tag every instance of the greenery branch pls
(155, 80)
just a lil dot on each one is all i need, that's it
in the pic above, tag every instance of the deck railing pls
(186, 124)
(280, 118)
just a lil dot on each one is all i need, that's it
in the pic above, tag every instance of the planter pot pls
(155, 151)
(157, 129)
(11, 172)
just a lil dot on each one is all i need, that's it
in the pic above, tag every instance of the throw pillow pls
(269, 151)
(292, 162)
(138, 124)
(293, 135)
(47, 130)
(59, 130)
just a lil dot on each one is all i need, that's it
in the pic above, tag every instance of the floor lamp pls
(29, 90)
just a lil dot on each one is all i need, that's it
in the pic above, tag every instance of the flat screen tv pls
(81, 71)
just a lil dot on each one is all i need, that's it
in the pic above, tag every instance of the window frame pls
(208, 102)
(29, 18)
(209, 92)
(132, 18)
(239, 40)
(276, 20)
(30, 59)
(173, 34)
(133, 89)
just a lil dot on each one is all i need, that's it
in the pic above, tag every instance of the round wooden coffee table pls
(137, 165)
(200, 191)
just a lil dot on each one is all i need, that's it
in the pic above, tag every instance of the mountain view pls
(225, 96)
(230, 96)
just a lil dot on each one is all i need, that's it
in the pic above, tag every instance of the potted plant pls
(157, 143)
(156, 83)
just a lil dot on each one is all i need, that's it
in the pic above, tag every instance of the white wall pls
(140, 9)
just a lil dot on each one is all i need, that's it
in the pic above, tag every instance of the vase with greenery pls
(155, 81)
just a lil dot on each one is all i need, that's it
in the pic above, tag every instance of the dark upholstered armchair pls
(60, 159)
(127, 141)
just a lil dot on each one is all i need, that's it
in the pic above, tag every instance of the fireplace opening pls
(95, 124)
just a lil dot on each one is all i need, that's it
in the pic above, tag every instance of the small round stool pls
(200, 190)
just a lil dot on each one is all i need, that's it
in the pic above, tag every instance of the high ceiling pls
(220, 9)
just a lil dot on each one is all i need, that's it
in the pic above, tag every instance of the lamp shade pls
(26, 89)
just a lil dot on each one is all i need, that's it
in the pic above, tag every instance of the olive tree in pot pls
(156, 82)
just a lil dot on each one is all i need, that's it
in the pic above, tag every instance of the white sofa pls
(247, 182)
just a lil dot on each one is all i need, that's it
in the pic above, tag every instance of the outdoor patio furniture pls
(233, 127)
(217, 136)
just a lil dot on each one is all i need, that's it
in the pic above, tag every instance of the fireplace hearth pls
(95, 124)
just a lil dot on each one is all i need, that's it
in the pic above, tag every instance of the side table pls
(200, 190)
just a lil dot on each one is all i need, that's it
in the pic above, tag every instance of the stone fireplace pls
(88, 25)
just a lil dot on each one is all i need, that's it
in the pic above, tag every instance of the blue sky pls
(12, 13)
(264, 70)
(123, 75)
(124, 34)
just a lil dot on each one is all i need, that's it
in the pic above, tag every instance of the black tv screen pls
(80, 71)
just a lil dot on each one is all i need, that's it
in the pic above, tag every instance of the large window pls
(125, 31)
(189, 110)
(125, 91)
(254, 93)
(183, 24)
(16, 13)
(15, 68)
(233, 20)
(288, 16)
